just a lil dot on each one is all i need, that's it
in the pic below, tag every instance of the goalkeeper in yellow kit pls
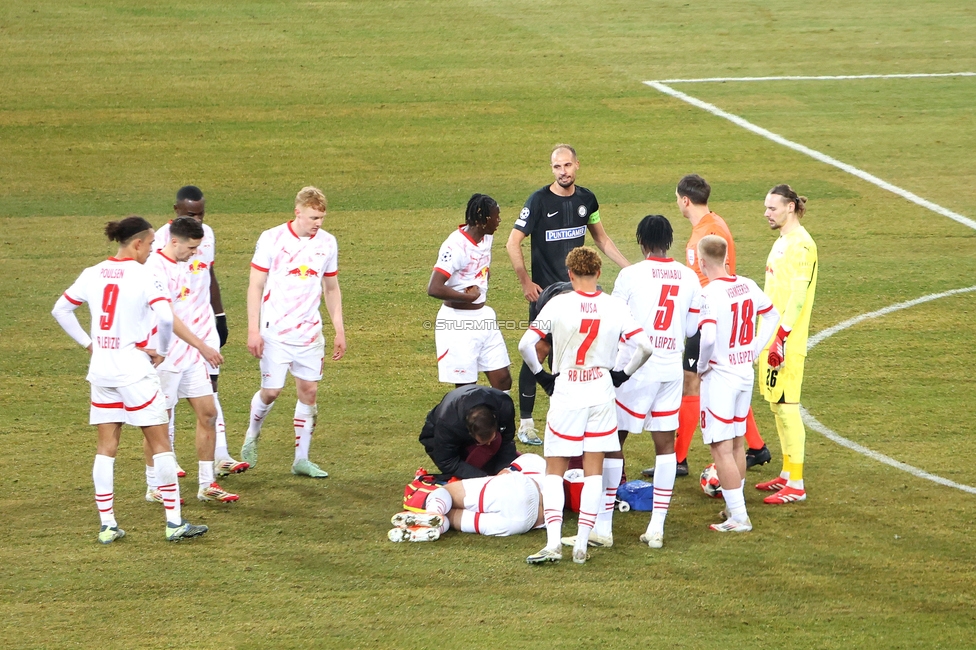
(791, 282)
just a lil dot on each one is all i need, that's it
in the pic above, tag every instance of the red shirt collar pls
(589, 295)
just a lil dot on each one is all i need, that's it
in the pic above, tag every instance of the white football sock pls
(665, 467)
(613, 469)
(220, 447)
(205, 473)
(151, 481)
(526, 422)
(172, 428)
(258, 412)
(553, 501)
(305, 415)
(439, 502)
(169, 486)
(735, 502)
(591, 499)
(103, 475)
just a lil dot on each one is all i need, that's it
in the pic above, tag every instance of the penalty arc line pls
(826, 432)
(812, 422)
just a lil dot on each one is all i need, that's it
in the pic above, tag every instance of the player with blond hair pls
(122, 296)
(729, 345)
(586, 325)
(791, 282)
(294, 264)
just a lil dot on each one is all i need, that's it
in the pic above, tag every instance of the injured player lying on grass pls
(502, 505)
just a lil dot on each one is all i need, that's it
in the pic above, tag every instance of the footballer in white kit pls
(496, 506)
(586, 326)
(665, 298)
(184, 374)
(729, 346)
(122, 296)
(466, 332)
(293, 265)
(208, 320)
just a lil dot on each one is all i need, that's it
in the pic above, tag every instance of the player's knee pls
(504, 382)
(269, 395)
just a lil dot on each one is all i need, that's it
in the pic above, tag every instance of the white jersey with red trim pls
(174, 278)
(292, 295)
(200, 317)
(662, 295)
(119, 293)
(586, 328)
(733, 305)
(465, 262)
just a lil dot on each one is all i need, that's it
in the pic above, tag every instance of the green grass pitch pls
(399, 111)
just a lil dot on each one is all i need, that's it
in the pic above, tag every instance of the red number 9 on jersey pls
(110, 298)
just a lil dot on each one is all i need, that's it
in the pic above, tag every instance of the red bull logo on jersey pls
(483, 273)
(184, 293)
(196, 266)
(303, 272)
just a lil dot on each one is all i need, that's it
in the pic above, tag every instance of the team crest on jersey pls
(582, 211)
(690, 254)
(303, 272)
(483, 273)
(196, 266)
(184, 293)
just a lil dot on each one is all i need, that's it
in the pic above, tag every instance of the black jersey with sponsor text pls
(556, 225)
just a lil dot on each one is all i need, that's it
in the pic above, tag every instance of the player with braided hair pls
(466, 335)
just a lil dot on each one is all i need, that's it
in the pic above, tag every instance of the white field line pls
(817, 78)
(815, 424)
(808, 419)
(822, 157)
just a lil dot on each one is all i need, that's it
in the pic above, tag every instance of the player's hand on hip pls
(547, 381)
(618, 377)
(339, 347)
(213, 357)
(531, 291)
(472, 292)
(154, 357)
(255, 345)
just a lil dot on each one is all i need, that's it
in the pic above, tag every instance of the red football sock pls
(753, 438)
(687, 423)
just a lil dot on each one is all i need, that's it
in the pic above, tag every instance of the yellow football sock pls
(775, 408)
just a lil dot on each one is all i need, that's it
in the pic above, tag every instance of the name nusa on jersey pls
(292, 295)
(585, 328)
(734, 305)
(200, 319)
(465, 262)
(173, 276)
(663, 295)
(120, 294)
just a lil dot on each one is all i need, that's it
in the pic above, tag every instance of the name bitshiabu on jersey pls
(119, 293)
(793, 258)
(173, 276)
(292, 295)
(662, 295)
(200, 319)
(465, 262)
(586, 328)
(556, 225)
(733, 305)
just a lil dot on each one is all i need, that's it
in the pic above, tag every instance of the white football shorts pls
(190, 382)
(140, 404)
(571, 432)
(724, 409)
(500, 505)
(647, 405)
(468, 341)
(303, 361)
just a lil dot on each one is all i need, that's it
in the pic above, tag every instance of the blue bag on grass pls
(639, 495)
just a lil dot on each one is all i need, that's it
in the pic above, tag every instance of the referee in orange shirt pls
(692, 195)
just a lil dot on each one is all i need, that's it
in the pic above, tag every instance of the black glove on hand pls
(546, 380)
(618, 377)
(222, 328)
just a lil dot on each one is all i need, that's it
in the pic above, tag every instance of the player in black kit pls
(556, 217)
